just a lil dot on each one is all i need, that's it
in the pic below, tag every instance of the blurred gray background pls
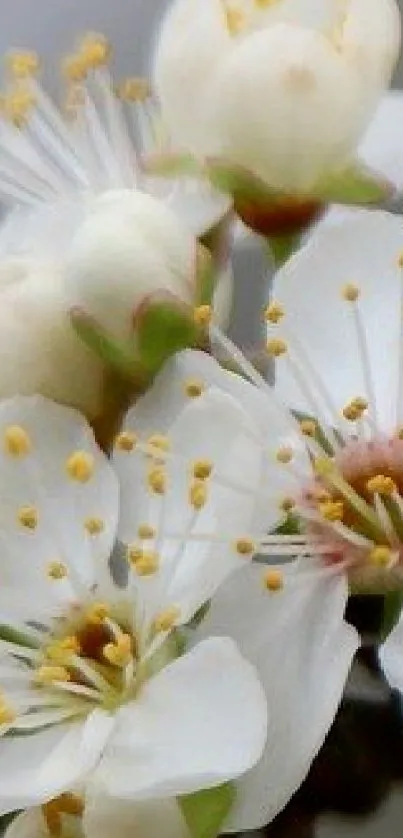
(51, 27)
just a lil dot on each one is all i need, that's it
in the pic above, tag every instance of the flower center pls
(355, 503)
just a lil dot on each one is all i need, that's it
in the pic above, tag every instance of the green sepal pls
(200, 615)
(114, 355)
(12, 635)
(164, 326)
(392, 608)
(356, 185)
(206, 276)
(206, 810)
(281, 248)
(290, 526)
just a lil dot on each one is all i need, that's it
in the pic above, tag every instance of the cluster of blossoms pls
(180, 537)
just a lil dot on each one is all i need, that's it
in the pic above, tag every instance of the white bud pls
(286, 94)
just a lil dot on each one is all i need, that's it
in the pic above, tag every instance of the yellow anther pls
(61, 651)
(276, 347)
(49, 674)
(274, 313)
(235, 19)
(119, 653)
(126, 441)
(16, 441)
(202, 315)
(95, 51)
(284, 455)
(380, 556)
(56, 571)
(147, 563)
(332, 510)
(308, 427)
(194, 388)
(80, 466)
(399, 433)
(350, 292)
(380, 484)
(202, 469)
(134, 553)
(245, 547)
(321, 495)
(7, 714)
(28, 517)
(265, 4)
(22, 64)
(94, 526)
(75, 68)
(134, 89)
(160, 443)
(17, 106)
(52, 818)
(355, 409)
(287, 504)
(400, 260)
(323, 466)
(198, 494)
(273, 580)
(146, 531)
(97, 613)
(157, 480)
(167, 619)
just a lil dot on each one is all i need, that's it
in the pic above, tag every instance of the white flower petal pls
(363, 251)
(189, 728)
(302, 649)
(381, 148)
(105, 816)
(370, 40)
(31, 824)
(198, 205)
(391, 657)
(40, 480)
(35, 768)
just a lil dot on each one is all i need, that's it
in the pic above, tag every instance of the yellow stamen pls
(94, 526)
(350, 292)
(49, 674)
(202, 315)
(126, 441)
(7, 714)
(157, 480)
(202, 469)
(380, 556)
(134, 89)
(234, 18)
(284, 455)
(71, 804)
(16, 441)
(198, 494)
(273, 581)
(22, 64)
(61, 651)
(28, 517)
(166, 620)
(332, 510)
(194, 388)
(380, 484)
(355, 409)
(147, 564)
(400, 260)
(308, 427)
(119, 653)
(17, 106)
(274, 313)
(95, 51)
(75, 68)
(56, 571)
(80, 466)
(276, 347)
(66, 804)
(324, 467)
(146, 531)
(160, 443)
(97, 613)
(134, 553)
(245, 546)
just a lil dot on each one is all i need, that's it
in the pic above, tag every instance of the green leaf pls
(205, 811)
(115, 356)
(164, 326)
(392, 607)
(356, 185)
